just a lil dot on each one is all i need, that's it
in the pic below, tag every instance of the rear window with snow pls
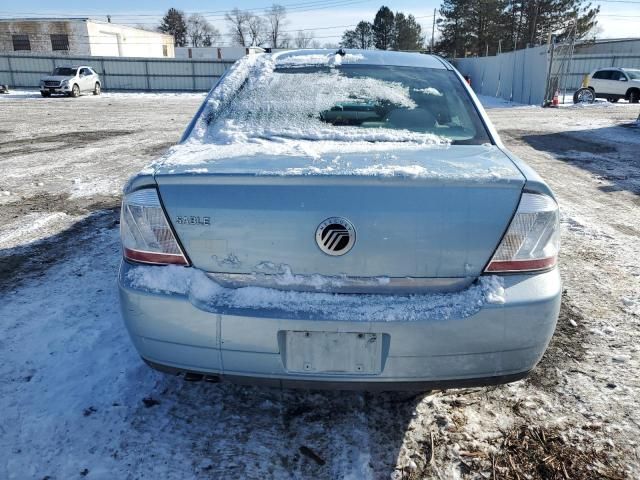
(351, 102)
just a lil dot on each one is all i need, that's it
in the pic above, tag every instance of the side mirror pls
(623, 79)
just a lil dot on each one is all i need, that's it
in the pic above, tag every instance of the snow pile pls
(201, 289)
(489, 102)
(597, 103)
(199, 154)
(429, 91)
(269, 273)
(317, 59)
(378, 169)
(33, 226)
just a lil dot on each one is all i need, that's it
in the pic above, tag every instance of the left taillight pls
(145, 232)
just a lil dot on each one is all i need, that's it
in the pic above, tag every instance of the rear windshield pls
(354, 102)
(65, 71)
(633, 74)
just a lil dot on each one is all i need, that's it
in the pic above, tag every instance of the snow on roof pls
(364, 57)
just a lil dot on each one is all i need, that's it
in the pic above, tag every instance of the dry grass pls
(536, 452)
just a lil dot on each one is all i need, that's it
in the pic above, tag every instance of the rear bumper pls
(498, 344)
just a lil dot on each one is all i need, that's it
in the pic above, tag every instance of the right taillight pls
(532, 241)
(145, 232)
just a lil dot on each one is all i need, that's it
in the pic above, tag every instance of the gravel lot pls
(77, 402)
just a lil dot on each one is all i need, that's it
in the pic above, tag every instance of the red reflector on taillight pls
(154, 258)
(520, 265)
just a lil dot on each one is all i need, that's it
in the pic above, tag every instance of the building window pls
(21, 42)
(59, 42)
(165, 51)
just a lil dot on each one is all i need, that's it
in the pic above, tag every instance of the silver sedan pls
(343, 219)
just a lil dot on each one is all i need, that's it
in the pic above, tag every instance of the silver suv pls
(71, 81)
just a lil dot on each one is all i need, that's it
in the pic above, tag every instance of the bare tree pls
(256, 30)
(211, 37)
(303, 39)
(148, 28)
(277, 19)
(285, 40)
(238, 20)
(201, 32)
(246, 29)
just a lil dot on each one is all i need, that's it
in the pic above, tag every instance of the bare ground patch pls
(567, 345)
(60, 202)
(48, 143)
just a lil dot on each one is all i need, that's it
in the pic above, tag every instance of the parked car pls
(4, 88)
(615, 84)
(342, 220)
(72, 81)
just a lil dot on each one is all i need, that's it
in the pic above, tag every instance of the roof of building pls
(43, 19)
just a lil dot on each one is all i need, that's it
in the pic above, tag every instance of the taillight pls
(145, 233)
(532, 241)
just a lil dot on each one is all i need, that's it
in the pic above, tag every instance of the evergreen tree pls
(476, 28)
(408, 34)
(174, 23)
(455, 14)
(349, 39)
(364, 33)
(384, 29)
(360, 37)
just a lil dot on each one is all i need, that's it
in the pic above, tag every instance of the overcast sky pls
(327, 18)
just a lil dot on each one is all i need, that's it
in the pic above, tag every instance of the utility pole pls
(433, 30)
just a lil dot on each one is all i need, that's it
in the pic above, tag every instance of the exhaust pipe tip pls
(193, 377)
(198, 377)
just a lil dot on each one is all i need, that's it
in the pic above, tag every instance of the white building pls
(82, 37)
(216, 53)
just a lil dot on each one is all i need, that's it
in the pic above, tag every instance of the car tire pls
(584, 95)
(634, 96)
(612, 99)
(97, 90)
(75, 91)
(45, 94)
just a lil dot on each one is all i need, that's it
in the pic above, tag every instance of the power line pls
(295, 7)
(232, 34)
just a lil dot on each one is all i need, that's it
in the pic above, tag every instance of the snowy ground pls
(77, 402)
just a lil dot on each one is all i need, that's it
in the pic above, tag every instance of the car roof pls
(369, 57)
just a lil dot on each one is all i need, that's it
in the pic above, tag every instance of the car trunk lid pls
(430, 213)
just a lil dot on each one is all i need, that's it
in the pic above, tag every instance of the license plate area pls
(345, 353)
